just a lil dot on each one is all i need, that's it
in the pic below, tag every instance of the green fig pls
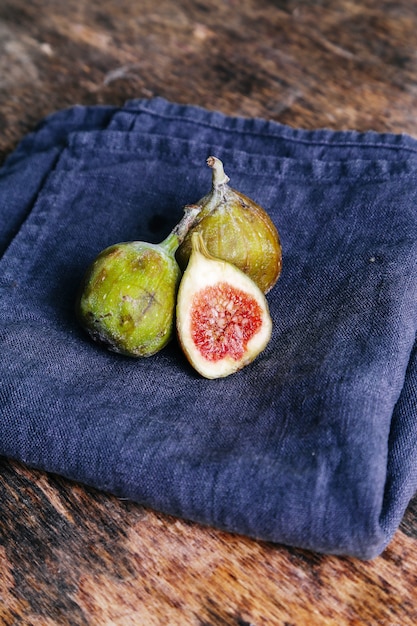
(128, 296)
(223, 320)
(236, 229)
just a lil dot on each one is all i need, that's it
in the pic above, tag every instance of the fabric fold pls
(312, 445)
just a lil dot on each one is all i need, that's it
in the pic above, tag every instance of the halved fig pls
(223, 319)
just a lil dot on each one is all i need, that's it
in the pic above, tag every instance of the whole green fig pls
(236, 229)
(128, 295)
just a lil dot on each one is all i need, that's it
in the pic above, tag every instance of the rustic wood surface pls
(70, 555)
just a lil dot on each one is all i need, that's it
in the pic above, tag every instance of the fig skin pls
(236, 229)
(223, 320)
(128, 296)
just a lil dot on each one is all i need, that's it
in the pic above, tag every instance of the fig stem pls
(179, 232)
(218, 173)
(219, 187)
(198, 245)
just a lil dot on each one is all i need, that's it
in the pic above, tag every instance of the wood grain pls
(70, 555)
(333, 64)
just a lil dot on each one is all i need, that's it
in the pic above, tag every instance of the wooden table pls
(73, 556)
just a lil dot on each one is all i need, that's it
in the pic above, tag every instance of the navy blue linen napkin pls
(314, 444)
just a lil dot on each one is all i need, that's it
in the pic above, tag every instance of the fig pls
(128, 295)
(223, 320)
(236, 229)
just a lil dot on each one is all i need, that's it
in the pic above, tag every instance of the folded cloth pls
(314, 444)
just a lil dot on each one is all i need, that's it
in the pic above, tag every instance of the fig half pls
(223, 320)
(236, 229)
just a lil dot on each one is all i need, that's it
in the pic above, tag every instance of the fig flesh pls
(223, 320)
(236, 229)
(128, 296)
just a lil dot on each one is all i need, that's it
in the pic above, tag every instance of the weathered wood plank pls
(71, 555)
(333, 64)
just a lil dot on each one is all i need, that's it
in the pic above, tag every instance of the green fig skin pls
(238, 230)
(128, 296)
